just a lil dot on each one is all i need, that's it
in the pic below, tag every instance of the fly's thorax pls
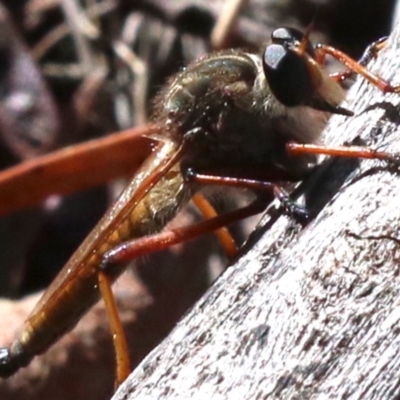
(195, 98)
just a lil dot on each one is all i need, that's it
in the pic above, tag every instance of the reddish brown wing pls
(149, 174)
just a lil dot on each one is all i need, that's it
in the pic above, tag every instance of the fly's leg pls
(370, 53)
(119, 339)
(148, 244)
(358, 67)
(296, 149)
(122, 361)
(252, 184)
(225, 238)
(133, 249)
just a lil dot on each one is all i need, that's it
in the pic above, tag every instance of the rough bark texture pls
(307, 313)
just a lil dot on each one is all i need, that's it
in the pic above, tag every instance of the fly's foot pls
(298, 212)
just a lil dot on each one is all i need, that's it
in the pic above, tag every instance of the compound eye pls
(290, 38)
(286, 35)
(287, 75)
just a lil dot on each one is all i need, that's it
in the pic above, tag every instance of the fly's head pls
(294, 75)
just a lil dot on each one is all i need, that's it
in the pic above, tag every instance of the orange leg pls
(296, 149)
(131, 250)
(120, 344)
(253, 184)
(223, 234)
(119, 339)
(136, 248)
(357, 67)
(370, 53)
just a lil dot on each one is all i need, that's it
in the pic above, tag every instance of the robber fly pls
(231, 118)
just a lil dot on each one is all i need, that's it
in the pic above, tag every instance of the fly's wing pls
(165, 155)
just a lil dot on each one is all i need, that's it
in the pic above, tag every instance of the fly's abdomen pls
(69, 299)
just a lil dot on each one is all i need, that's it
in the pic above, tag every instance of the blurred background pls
(71, 71)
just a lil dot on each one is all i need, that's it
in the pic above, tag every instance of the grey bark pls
(305, 313)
